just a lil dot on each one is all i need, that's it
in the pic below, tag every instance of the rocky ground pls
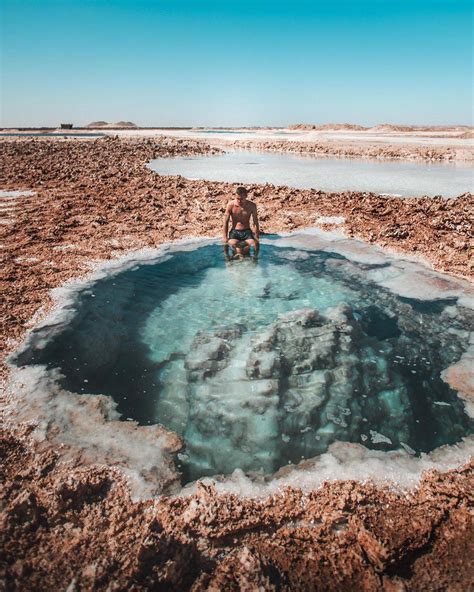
(75, 527)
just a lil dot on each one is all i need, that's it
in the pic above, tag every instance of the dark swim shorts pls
(241, 235)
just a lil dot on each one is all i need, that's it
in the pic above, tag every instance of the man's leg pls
(253, 243)
(233, 242)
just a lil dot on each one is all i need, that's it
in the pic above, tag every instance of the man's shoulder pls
(252, 204)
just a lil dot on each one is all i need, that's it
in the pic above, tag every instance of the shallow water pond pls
(260, 364)
(400, 178)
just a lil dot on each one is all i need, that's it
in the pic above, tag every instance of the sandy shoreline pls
(95, 199)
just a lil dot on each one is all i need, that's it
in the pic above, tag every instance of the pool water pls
(258, 364)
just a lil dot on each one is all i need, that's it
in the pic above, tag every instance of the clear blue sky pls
(229, 62)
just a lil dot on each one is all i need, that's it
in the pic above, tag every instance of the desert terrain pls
(72, 523)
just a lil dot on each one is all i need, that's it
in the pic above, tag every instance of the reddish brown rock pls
(70, 526)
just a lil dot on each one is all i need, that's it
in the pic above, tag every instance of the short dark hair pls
(241, 191)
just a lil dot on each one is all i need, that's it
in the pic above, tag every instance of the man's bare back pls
(241, 212)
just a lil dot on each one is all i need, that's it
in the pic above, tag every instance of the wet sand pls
(95, 199)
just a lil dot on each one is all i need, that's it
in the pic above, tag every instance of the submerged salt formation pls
(308, 380)
(291, 392)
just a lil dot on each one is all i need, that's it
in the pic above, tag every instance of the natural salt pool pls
(261, 364)
(406, 179)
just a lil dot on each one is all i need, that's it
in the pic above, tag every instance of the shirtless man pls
(241, 237)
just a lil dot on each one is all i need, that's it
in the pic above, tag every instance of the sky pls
(235, 62)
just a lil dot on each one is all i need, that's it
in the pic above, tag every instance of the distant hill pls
(125, 124)
(97, 124)
(383, 128)
(118, 125)
(389, 127)
(328, 126)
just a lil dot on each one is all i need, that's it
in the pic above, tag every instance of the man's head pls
(241, 194)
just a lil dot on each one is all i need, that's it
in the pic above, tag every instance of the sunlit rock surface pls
(263, 365)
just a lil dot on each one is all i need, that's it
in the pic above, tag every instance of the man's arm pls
(255, 221)
(228, 210)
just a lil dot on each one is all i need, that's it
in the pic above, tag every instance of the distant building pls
(66, 125)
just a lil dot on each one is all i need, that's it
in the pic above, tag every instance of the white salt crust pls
(8, 205)
(330, 220)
